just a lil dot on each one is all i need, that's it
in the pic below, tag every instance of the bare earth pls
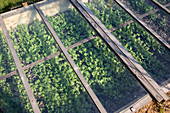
(154, 107)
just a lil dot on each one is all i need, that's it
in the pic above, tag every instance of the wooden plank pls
(144, 25)
(46, 58)
(124, 24)
(74, 45)
(137, 105)
(16, 11)
(143, 101)
(79, 43)
(8, 75)
(19, 67)
(161, 6)
(70, 60)
(30, 65)
(122, 53)
(22, 9)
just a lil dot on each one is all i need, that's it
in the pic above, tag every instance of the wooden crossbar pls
(144, 25)
(72, 63)
(75, 45)
(146, 80)
(161, 6)
(19, 68)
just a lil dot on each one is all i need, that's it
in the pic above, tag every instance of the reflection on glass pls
(57, 88)
(7, 64)
(13, 97)
(169, 7)
(139, 6)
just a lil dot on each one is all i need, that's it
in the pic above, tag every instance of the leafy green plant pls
(54, 83)
(144, 49)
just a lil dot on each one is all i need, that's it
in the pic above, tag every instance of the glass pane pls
(110, 16)
(57, 88)
(66, 21)
(13, 97)
(158, 21)
(94, 59)
(7, 63)
(30, 36)
(111, 81)
(153, 57)
(146, 50)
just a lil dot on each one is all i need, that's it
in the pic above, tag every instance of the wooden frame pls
(123, 54)
(144, 78)
(74, 45)
(144, 25)
(19, 67)
(161, 6)
(70, 60)
(143, 101)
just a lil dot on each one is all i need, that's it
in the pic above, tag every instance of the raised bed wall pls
(28, 14)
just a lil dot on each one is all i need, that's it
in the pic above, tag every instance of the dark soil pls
(160, 29)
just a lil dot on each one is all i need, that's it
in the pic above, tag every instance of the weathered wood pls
(19, 67)
(161, 6)
(8, 75)
(74, 45)
(122, 53)
(144, 25)
(124, 24)
(70, 60)
(46, 58)
(79, 43)
(143, 101)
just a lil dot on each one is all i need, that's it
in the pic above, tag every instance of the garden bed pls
(158, 21)
(135, 39)
(54, 83)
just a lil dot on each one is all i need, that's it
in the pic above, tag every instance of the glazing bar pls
(161, 6)
(19, 67)
(72, 46)
(122, 53)
(70, 60)
(144, 25)
(153, 11)
(46, 58)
